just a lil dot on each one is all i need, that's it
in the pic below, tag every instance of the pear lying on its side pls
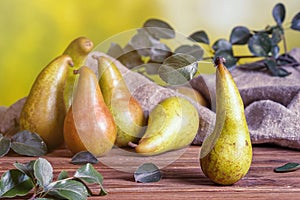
(226, 154)
(172, 125)
(44, 110)
(89, 125)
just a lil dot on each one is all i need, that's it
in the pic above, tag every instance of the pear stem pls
(220, 61)
(131, 144)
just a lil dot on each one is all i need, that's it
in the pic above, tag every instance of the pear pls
(89, 125)
(78, 49)
(172, 124)
(226, 154)
(44, 111)
(127, 111)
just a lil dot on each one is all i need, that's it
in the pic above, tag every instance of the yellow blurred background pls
(33, 32)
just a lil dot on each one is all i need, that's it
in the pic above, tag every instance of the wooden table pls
(183, 179)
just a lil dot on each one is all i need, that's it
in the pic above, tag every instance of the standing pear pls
(89, 125)
(226, 154)
(78, 50)
(44, 110)
(127, 111)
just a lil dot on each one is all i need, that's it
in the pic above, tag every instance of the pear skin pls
(192, 93)
(127, 111)
(172, 124)
(44, 110)
(78, 50)
(226, 154)
(89, 125)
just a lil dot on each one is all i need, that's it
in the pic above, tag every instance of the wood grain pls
(183, 179)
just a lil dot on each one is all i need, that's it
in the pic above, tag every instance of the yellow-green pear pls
(226, 154)
(44, 110)
(172, 124)
(127, 111)
(78, 50)
(89, 125)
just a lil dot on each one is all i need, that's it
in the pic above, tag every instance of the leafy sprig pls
(37, 177)
(147, 51)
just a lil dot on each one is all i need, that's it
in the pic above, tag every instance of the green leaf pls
(199, 36)
(227, 54)
(159, 29)
(151, 68)
(84, 157)
(4, 145)
(194, 50)
(43, 172)
(260, 44)
(222, 44)
(142, 42)
(67, 189)
(88, 174)
(178, 69)
(147, 173)
(28, 144)
(296, 22)
(279, 13)
(26, 168)
(115, 50)
(275, 51)
(62, 175)
(159, 52)
(131, 58)
(240, 35)
(275, 71)
(15, 183)
(289, 167)
(277, 33)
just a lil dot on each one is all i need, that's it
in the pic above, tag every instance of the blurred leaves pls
(199, 36)
(147, 173)
(279, 13)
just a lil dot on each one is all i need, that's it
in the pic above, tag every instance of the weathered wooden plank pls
(183, 178)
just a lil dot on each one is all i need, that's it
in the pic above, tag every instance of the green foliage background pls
(33, 32)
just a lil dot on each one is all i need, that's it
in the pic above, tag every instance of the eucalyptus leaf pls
(4, 145)
(67, 189)
(289, 167)
(275, 51)
(131, 58)
(178, 69)
(222, 44)
(296, 22)
(275, 71)
(279, 13)
(260, 44)
(88, 174)
(142, 42)
(277, 33)
(159, 52)
(84, 157)
(159, 29)
(62, 175)
(199, 36)
(194, 50)
(28, 144)
(240, 35)
(26, 168)
(43, 172)
(227, 54)
(115, 50)
(147, 173)
(15, 183)
(151, 68)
